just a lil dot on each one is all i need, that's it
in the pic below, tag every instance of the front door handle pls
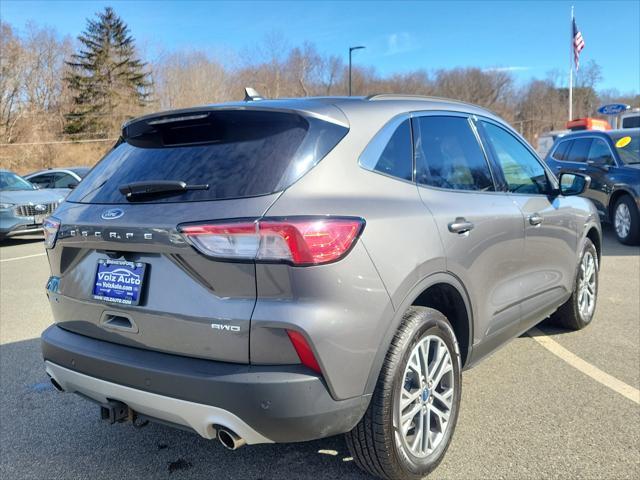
(460, 226)
(535, 219)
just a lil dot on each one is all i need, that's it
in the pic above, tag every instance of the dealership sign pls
(613, 109)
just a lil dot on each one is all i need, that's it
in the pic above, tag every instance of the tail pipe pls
(229, 439)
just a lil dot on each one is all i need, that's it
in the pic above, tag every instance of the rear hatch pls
(123, 271)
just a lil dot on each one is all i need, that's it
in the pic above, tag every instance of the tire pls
(626, 221)
(376, 445)
(570, 315)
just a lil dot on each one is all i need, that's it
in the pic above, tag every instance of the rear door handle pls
(460, 226)
(535, 219)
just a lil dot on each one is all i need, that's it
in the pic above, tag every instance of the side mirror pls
(573, 183)
(71, 186)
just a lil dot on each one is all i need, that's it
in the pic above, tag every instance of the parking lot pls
(526, 412)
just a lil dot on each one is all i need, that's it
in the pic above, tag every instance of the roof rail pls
(408, 96)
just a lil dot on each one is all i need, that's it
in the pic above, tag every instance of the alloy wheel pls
(587, 285)
(622, 220)
(426, 397)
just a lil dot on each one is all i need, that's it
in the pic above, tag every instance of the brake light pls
(304, 350)
(299, 241)
(51, 226)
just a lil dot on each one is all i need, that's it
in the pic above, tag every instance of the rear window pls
(631, 122)
(237, 153)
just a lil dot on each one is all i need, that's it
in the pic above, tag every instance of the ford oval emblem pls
(112, 214)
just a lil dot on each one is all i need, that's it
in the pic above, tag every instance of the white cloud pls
(400, 42)
(506, 69)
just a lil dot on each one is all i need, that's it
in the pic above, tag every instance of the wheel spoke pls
(445, 368)
(419, 431)
(408, 398)
(442, 416)
(444, 398)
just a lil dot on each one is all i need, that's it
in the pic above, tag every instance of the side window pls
(397, 157)
(579, 150)
(522, 170)
(63, 180)
(599, 152)
(448, 154)
(43, 181)
(561, 151)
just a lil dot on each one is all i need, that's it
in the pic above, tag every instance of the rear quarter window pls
(562, 150)
(237, 153)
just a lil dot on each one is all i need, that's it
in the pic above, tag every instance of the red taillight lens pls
(304, 350)
(50, 226)
(301, 241)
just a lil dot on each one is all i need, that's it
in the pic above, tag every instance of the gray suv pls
(286, 270)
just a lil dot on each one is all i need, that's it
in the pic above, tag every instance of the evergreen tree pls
(107, 80)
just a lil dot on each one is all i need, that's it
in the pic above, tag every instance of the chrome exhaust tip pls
(229, 439)
(56, 385)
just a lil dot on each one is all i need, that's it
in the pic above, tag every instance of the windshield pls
(11, 181)
(628, 147)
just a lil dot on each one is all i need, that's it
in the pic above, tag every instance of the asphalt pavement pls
(526, 413)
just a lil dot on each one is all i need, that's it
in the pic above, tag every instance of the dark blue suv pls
(612, 160)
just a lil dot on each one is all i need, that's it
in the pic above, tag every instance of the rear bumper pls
(284, 403)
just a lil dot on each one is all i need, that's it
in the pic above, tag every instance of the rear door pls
(480, 227)
(550, 223)
(125, 273)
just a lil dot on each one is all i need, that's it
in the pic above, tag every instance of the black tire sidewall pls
(431, 325)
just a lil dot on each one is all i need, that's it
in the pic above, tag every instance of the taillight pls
(299, 241)
(51, 225)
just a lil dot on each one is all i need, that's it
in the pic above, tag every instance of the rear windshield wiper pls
(157, 187)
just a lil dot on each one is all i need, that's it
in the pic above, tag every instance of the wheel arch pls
(595, 236)
(440, 291)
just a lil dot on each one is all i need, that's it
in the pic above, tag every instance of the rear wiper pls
(157, 187)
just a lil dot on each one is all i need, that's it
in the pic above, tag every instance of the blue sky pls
(527, 37)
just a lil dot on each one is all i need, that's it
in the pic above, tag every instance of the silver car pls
(68, 178)
(22, 206)
(282, 271)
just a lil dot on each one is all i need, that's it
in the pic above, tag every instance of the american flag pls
(578, 44)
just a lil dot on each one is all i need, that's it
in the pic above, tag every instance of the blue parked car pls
(23, 206)
(612, 160)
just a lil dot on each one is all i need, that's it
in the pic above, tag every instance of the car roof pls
(341, 109)
(600, 133)
(61, 169)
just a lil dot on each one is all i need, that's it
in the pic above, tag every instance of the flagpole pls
(571, 47)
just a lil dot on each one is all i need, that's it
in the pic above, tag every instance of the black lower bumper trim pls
(285, 403)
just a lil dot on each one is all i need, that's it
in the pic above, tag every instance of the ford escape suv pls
(286, 270)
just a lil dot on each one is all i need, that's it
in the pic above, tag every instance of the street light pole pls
(351, 49)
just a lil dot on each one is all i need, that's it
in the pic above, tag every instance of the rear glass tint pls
(238, 153)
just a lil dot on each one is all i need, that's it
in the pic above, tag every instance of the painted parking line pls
(22, 258)
(576, 362)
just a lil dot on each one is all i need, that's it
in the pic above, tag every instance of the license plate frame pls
(119, 281)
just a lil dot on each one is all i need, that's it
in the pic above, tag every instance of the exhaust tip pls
(230, 440)
(56, 385)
